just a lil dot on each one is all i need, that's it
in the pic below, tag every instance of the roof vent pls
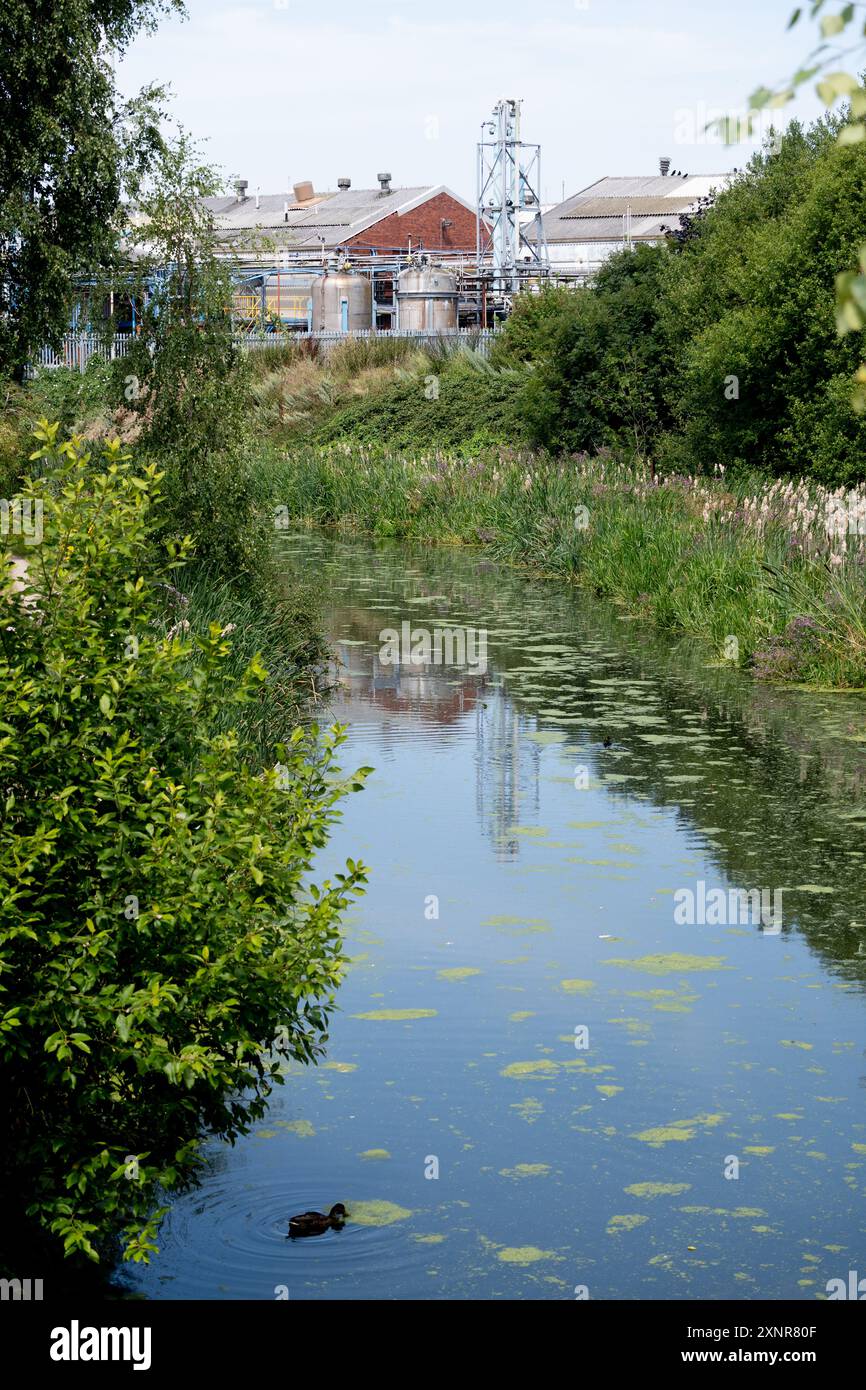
(344, 184)
(303, 191)
(665, 166)
(241, 186)
(384, 183)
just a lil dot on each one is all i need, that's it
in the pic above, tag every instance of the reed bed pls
(770, 573)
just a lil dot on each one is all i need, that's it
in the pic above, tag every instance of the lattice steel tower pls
(509, 189)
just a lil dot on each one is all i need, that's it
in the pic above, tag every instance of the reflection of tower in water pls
(507, 782)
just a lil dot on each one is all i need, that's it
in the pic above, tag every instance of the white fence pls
(77, 349)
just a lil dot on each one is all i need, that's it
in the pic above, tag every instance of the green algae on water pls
(377, 1213)
(524, 1255)
(657, 1189)
(629, 1222)
(523, 1070)
(529, 1109)
(396, 1015)
(677, 1132)
(526, 1170)
(674, 963)
(302, 1128)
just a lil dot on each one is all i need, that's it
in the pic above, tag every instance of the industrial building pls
(361, 221)
(332, 261)
(423, 260)
(613, 213)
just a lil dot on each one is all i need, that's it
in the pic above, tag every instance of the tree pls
(834, 84)
(70, 149)
(162, 948)
(598, 378)
(183, 374)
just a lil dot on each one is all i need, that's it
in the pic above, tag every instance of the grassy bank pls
(440, 396)
(769, 574)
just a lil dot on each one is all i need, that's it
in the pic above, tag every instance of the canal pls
(563, 1064)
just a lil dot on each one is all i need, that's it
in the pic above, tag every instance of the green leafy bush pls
(461, 402)
(600, 359)
(162, 949)
(759, 376)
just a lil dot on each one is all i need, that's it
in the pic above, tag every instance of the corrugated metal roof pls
(335, 216)
(596, 213)
(612, 229)
(610, 207)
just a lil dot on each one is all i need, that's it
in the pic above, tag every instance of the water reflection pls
(752, 771)
(581, 1065)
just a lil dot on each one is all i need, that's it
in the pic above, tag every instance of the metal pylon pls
(509, 187)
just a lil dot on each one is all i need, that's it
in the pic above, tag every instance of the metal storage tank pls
(342, 302)
(427, 299)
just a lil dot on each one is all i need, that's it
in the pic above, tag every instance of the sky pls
(279, 91)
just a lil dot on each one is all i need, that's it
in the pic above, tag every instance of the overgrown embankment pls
(751, 569)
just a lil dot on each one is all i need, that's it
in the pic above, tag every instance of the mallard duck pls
(316, 1223)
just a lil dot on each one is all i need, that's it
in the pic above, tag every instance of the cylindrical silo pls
(427, 299)
(342, 302)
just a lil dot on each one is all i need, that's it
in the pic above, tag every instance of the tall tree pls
(70, 149)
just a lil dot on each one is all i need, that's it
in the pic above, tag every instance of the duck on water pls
(316, 1223)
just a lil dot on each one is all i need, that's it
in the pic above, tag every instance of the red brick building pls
(373, 221)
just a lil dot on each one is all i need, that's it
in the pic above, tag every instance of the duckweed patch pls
(522, 1070)
(529, 1109)
(302, 1128)
(629, 1222)
(524, 1255)
(674, 963)
(526, 1170)
(377, 1213)
(396, 1015)
(677, 1132)
(657, 1189)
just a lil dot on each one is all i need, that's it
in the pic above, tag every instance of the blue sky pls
(284, 90)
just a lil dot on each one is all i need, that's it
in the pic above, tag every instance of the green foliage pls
(282, 624)
(69, 150)
(527, 332)
(701, 556)
(184, 378)
(834, 85)
(720, 346)
(74, 399)
(463, 401)
(162, 948)
(759, 376)
(601, 358)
